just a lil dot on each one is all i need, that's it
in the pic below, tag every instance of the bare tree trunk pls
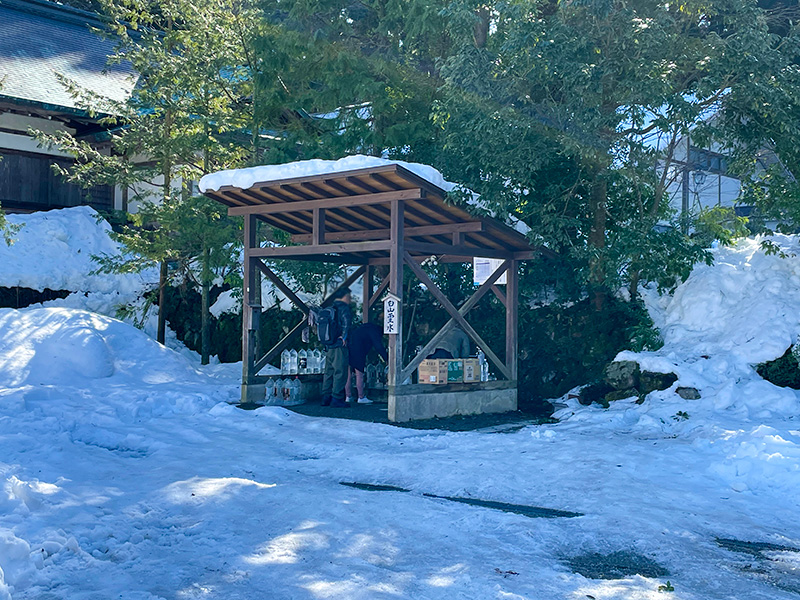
(205, 322)
(161, 335)
(597, 240)
(481, 30)
(634, 284)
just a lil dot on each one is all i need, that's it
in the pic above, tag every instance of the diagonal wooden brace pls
(297, 329)
(279, 347)
(381, 288)
(456, 317)
(278, 283)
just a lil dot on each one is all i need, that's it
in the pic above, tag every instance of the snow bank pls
(717, 325)
(49, 346)
(746, 304)
(727, 317)
(54, 249)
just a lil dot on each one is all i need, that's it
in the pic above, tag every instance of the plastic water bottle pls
(302, 362)
(322, 361)
(270, 390)
(318, 364)
(285, 362)
(286, 390)
(293, 362)
(275, 396)
(484, 365)
(294, 391)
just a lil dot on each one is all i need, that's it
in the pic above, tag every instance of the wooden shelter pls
(382, 215)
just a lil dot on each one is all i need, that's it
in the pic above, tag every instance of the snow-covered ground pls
(125, 473)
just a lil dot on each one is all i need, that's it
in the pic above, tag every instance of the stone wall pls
(418, 402)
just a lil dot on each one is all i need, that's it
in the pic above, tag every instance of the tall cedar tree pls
(559, 112)
(186, 117)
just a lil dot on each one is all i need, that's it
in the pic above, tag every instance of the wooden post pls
(366, 294)
(251, 313)
(512, 318)
(396, 261)
(318, 226)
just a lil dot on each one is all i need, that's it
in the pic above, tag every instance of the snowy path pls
(205, 501)
(125, 474)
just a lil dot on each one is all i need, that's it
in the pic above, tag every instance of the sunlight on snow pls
(28, 492)
(355, 587)
(633, 588)
(378, 550)
(203, 488)
(446, 576)
(195, 591)
(286, 549)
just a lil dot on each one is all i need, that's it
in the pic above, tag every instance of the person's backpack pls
(325, 323)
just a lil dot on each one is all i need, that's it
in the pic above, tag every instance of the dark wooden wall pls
(28, 183)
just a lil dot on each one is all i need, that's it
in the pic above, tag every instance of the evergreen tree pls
(562, 111)
(185, 118)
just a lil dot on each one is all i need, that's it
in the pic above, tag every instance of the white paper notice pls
(482, 269)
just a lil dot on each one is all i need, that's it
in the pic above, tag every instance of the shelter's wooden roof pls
(357, 204)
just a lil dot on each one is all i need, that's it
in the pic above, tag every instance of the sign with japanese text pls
(391, 313)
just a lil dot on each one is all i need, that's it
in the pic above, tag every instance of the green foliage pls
(7, 230)
(339, 77)
(643, 334)
(666, 588)
(183, 311)
(770, 248)
(783, 371)
(561, 114)
(680, 416)
(185, 118)
(562, 347)
(721, 224)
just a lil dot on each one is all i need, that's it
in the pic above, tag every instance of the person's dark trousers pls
(334, 380)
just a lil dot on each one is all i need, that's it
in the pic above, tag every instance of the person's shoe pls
(351, 400)
(326, 401)
(339, 404)
(364, 400)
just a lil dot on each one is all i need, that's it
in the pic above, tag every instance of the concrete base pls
(253, 393)
(417, 402)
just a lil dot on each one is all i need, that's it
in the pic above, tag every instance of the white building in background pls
(40, 41)
(700, 178)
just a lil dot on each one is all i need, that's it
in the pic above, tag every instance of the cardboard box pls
(432, 371)
(455, 370)
(472, 370)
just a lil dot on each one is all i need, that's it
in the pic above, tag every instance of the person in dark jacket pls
(455, 344)
(337, 364)
(363, 339)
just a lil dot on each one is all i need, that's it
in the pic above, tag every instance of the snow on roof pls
(247, 178)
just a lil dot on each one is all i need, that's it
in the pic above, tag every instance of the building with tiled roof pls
(40, 42)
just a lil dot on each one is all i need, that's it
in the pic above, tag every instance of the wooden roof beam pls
(294, 252)
(377, 234)
(466, 251)
(336, 202)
